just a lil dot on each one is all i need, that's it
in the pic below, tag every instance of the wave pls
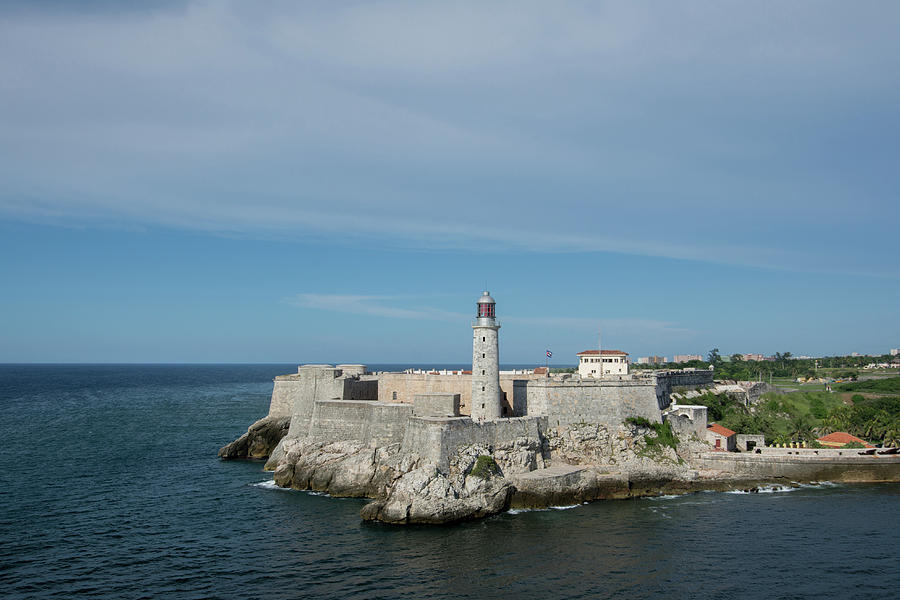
(792, 487)
(516, 511)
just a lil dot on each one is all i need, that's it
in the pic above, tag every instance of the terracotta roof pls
(605, 352)
(839, 438)
(720, 430)
(540, 370)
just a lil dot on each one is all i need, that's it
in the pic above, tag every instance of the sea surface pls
(110, 488)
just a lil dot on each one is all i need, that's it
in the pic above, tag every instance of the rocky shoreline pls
(570, 466)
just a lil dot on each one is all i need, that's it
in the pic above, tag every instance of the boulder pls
(261, 438)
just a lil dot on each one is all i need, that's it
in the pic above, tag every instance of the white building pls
(596, 363)
(895, 351)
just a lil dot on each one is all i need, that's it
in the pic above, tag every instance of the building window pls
(482, 389)
(484, 339)
(395, 395)
(482, 371)
(482, 355)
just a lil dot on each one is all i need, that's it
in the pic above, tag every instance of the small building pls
(747, 442)
(721, 438)
(597, 363)
(839, 439)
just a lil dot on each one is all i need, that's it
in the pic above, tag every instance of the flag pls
(549, 354)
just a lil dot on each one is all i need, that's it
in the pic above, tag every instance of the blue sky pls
(243, 182)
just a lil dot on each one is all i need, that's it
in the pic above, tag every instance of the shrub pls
(664, 436)
(485, 467)
(854, 445)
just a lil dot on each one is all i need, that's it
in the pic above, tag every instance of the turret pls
(486, 394)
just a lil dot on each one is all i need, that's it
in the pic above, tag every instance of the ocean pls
(110, 488)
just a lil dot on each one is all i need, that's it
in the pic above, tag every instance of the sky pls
(223, 181)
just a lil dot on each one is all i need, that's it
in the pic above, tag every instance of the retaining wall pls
(804, 467)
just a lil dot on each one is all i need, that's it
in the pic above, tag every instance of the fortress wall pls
(337, 420)
(375, 423)
(607, 402)
(438, 439)
(802, 467)
(314, 382)
(408, 385)
(284, 394)
(360, 389)
(386, 423)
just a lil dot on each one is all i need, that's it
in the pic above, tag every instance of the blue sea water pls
(110, 488)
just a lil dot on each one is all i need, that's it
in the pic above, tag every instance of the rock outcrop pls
(260, 440)
(590, 462)
(425, 495)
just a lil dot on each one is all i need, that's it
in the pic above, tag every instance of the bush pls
(854, 445)
(664, 434)
(485, 467)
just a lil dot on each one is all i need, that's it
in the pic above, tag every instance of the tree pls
(713, 357)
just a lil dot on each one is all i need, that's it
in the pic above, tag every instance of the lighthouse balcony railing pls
(485, 322)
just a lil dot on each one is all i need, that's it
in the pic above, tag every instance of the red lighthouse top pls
(486, 306)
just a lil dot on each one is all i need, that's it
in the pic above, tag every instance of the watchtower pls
(486, 404)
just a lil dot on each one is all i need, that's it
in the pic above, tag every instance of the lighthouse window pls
(483, 339)
(482, 371)
(395, 395)
(482, 389)
(482, 355)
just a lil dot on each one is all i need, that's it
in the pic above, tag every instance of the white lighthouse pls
(486, 404)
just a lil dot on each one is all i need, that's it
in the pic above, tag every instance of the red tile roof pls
(841, 438)
(540, 370)
(720, 430)
(605, 352)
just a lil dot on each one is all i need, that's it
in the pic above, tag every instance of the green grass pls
(887, 385)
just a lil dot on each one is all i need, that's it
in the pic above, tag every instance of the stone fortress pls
(438, 447)
(434, 414)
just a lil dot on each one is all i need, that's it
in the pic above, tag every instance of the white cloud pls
(693, 130)
(375, 306)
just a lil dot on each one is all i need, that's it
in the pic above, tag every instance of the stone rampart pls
(436, 405)
(606, 401)
(285, 391)
(667, 381)
(373, 423)
(437, 439)
(403, 387)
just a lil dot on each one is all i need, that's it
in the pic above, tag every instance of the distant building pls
(895, 351)
(839, 439)
(754, 357)
(720, 437)
(652, 360)
(595, 363)
(682, 358)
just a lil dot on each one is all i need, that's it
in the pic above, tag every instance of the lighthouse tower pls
(485, 362)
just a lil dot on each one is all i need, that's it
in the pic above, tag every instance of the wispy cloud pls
(393, 307)
(398, 307)
(692, 130)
